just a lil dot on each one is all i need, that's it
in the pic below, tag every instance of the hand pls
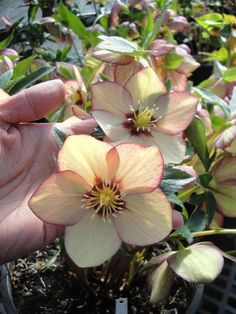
(27, 152)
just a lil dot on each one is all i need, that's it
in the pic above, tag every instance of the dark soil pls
(42, 283)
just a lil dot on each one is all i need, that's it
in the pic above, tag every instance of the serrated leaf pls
(30, 79)
(5, 78)
(184, 232)
(212, 99)
(197, 221)
(173, 180)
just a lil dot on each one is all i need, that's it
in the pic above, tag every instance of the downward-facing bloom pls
(142, 111)
(199, 263)
(104, 195)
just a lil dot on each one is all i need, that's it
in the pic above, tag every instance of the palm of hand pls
(27, 152)
(27, 157)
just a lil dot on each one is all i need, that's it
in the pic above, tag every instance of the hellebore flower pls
(173, 63)
(176, 23)
(104, 195)
(142, 111)
(223, 185)
(199, 263)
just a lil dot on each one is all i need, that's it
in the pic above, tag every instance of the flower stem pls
(213, 232)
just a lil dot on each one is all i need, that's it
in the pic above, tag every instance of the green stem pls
(231, 252)
(213, 232)
(182, 195)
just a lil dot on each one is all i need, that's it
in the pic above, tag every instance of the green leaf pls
(210, 206)
(208, 21)
(173, 61)
(230, 75)
(153, 34)
(219, 55)
(30, 79)
(22, 67)
(66, 17)
(184, 232)
(5, 78)
(65, 73)
(205, 179)
(175, 200)
(197, 221)
(118, 44)
(4, 44)
(173, 180)
(196, 135)
(59, 136)
(198, 199)
(212, 99)
(217, 122)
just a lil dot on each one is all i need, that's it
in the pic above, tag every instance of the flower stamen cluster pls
(141, 121)
(105, 199)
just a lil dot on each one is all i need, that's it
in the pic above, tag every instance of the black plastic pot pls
(7, 304)
(6, 301)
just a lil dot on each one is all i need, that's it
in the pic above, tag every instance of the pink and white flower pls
(104, 195)
(142, 111)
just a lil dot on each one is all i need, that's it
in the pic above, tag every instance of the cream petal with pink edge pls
(123, 73)
(140, 169)
(173, 148)
(111, 124)
(147, 219)
(58, 200)
(177, 110)
(145, 87)
(110, 96)
(86, 156)
(178, 81)
(113, 161)
(91, 242)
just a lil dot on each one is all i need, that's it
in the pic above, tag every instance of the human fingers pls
(32, 103)
(75, 125)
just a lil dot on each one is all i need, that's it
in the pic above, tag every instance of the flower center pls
(141, 121)
(105, 199)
